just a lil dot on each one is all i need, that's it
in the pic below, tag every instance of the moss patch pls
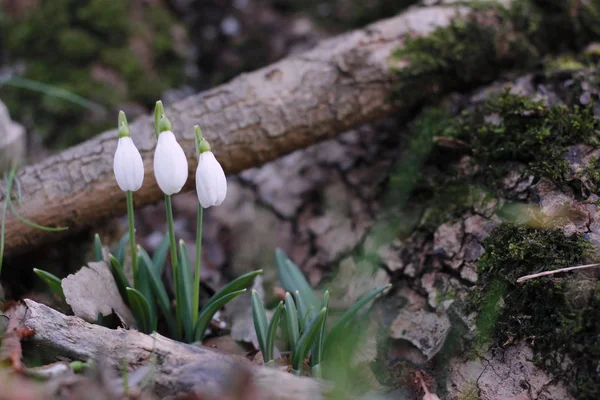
(559, 316)
(85, 47)
(477, 48)
(515, 128)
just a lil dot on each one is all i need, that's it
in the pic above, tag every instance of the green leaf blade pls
(272, 332)
(239, 283)
(52, 281)
(120, 278)
(293, 279)
(208, 312)
(307, 340)
(140, 308)
(98, 253)
(291, 317)
(259, 317)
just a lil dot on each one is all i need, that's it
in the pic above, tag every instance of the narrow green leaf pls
(144, 284)
(291, 317)
(160, 294)
(293, 280)
(120, 278)
(241, 282)
(98, 253)
(272, 332)
(52, 281)
(121, 252)
(207, 313)
(260, 321)
(139, 307)
(304, 311)
(351, 312)
(183, 291)
(317, 350)
(159, 258)
(307, 340)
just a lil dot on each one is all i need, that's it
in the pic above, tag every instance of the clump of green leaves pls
(559, 315)
(148, 295)
(305, 319)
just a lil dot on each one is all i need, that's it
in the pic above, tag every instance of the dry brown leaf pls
(92, 290)
(11, 350)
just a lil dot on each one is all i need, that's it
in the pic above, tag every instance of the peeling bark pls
(340, 84)
(179, 368)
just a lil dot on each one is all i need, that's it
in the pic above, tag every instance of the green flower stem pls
(196, 299)
(130, 216)
(171, 228)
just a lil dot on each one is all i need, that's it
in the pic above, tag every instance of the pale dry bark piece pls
(179, 367)
(306, 98)
(92, 290)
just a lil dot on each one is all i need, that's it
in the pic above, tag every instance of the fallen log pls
(178, 368)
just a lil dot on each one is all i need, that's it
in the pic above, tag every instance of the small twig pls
(545, 273)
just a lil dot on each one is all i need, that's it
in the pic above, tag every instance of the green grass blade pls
(144, 284)
(33, 224)
(98, 253)
(260, 321)
(121, 252)
(159, 258)
(120, 278)
(53, 91)
(183, 291)
(305, 313)
(291, 318)
(52, 281)
(307, 340)
(293, 280)
(139, 307)
(159, 291)
(317, 350)
(207, 313)
(272, 333)
(241, 282)
(351, 313)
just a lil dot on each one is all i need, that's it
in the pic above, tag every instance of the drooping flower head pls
(127, 164)
(211, 184)
(170, 163)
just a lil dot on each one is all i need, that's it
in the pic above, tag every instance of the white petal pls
(211, 184)
(170, 164)
(128, 165)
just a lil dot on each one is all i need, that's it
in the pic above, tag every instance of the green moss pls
(515, 128)
(61, 41)
(560, 315)
(563, 63)
(475, 49)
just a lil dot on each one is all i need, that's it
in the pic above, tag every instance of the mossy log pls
(177, 368)
(340, 84)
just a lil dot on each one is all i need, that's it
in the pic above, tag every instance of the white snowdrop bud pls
(127, 164)
(211, 184)
(170, 164)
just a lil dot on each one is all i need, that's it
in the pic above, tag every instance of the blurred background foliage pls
(126, 54)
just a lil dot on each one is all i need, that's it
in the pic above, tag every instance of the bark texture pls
(179, 369)
(342, 83)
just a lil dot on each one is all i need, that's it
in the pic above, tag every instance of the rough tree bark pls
(180, 368)
(342, 83)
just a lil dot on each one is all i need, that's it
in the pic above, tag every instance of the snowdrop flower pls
(170, 163)
(127, 165)
(211, 184)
